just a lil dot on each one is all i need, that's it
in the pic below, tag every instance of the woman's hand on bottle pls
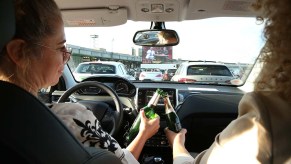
(176, 138)
(148, 127)
(177, 142)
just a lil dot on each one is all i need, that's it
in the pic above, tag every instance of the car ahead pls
(95, 68)
(224, 31)
(203, 72)
(168, 74)
(151, 75)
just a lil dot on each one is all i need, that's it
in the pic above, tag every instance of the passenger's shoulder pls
(261, 98)
(260, 104)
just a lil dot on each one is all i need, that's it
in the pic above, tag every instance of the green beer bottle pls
(172, 119)
(149, 112)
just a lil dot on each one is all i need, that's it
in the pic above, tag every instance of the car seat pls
(31, 132)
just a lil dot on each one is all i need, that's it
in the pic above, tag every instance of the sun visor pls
(94, 17)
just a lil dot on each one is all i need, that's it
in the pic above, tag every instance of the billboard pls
(156, 55)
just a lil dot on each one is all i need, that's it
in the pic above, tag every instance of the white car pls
(108, 68)
(151, 74)
(203, 72)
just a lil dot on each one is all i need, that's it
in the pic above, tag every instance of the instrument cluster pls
(121, 86)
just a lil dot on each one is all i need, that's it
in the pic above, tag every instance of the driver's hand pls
(148, 127)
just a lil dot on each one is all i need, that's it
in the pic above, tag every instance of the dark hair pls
(35, 19)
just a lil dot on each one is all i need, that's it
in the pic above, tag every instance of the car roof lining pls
(117, 12)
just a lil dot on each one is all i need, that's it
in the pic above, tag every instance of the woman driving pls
(35, 59)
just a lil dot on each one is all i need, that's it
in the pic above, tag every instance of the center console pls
(158, 145)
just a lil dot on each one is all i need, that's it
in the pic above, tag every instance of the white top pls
(86, 128)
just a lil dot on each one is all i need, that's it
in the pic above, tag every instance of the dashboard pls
(204, 110)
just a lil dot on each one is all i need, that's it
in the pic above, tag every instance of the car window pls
(96, 69)
(208, 70)
(84, 68)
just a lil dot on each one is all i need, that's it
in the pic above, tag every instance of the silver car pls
(203, 72)
(94, 68)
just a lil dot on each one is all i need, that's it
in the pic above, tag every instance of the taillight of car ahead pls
(236, 82)
(141, 75)
(186, 80)
(165, 76)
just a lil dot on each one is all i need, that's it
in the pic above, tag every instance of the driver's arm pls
(147, 128)
(87, 129)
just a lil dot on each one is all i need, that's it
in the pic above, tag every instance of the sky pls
(219, 39)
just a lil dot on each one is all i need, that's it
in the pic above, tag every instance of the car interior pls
(31, 132)
(204, 109)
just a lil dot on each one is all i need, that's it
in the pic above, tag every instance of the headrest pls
(7, 22)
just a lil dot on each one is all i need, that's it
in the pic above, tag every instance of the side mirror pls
(156, 38)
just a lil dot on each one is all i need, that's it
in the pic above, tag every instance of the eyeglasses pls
(67, 51)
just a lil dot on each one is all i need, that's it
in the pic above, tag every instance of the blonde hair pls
(276, 54)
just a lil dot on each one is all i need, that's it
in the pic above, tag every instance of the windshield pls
(232, 43)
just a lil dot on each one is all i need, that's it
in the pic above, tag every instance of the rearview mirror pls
(156, 38)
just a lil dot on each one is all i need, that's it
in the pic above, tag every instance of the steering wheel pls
(109, 118)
